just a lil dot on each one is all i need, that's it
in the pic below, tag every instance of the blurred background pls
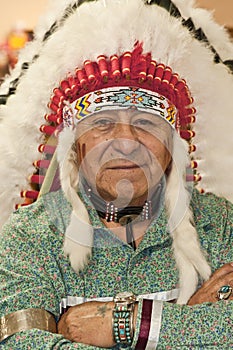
(19, 17)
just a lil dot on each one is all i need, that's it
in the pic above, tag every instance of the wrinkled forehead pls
(141, 127)
(131, 116)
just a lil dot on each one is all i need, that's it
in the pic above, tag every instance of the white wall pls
(223, 10)
(16, 11)
(28, 11)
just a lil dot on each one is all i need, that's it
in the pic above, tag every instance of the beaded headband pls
(118, 98)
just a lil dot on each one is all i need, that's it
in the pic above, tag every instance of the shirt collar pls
(157, 233)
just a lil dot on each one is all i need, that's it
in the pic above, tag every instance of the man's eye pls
(103, 123)
(143, 122)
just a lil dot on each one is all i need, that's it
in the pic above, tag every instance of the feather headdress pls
(182, 61)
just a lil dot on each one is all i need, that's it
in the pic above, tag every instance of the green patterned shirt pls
(34, 273)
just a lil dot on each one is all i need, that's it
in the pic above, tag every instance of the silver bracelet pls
(26, 319)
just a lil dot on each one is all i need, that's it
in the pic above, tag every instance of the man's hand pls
(208, 291)
(89, 323)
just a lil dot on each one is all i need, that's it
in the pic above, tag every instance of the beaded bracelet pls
(123, 324)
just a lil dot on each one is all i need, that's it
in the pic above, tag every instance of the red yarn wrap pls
(29, 194)
(44, 148)
(126, 65)
(36, 179)
(167, 74)
(151, 70)
(43, 163)
(90, 71)
(48, 129)
(115, 68)
(53, 118)
(103, 67)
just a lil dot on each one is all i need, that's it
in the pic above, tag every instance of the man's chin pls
(124, 194)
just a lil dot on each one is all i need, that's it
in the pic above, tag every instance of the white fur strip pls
(158, 296)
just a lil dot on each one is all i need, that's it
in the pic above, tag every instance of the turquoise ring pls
(224, 292)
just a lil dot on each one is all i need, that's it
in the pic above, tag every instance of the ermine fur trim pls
(189, 257)
(79, 234)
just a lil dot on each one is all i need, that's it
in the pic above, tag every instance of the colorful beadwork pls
(114, 267)
(122, 326)
(121, 98)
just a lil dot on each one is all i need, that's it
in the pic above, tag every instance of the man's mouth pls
(124, 166)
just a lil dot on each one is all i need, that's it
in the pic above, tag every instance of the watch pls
(123, 311)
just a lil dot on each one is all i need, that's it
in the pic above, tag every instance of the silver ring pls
(224, 292)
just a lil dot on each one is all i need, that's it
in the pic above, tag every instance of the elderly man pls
(120, 249)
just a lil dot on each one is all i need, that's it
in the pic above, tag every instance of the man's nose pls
(125, 138)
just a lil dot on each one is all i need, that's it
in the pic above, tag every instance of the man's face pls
(123, 154)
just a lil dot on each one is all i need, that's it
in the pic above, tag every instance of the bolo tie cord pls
(124, 216)
(129, 229)
(129, 233)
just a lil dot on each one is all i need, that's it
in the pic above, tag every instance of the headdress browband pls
(166, 4)
(118, 98)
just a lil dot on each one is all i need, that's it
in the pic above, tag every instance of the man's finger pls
(220, 274)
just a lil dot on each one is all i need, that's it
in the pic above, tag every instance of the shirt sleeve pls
(29, 278)
(41, 340)
(165, 325)
(171, 326)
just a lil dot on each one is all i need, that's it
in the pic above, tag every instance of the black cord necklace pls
(127, 215)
